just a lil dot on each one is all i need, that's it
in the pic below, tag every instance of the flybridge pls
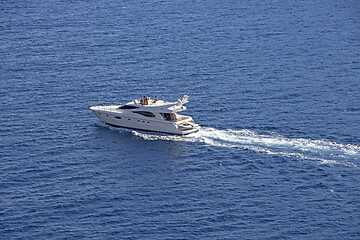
(158, 105)
(147, 101)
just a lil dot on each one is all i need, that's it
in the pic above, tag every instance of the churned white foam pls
(163, 137)
(325, 152)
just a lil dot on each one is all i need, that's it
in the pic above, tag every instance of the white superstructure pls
(148, 115)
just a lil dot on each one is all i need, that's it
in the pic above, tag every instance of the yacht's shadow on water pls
(119, 146)
(136, 139)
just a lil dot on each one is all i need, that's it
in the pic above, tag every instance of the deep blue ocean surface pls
(275, 86)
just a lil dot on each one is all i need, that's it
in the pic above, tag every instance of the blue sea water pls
(274, 84)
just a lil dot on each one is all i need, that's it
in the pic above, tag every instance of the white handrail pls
(100, 103)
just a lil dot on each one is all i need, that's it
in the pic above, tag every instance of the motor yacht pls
(149, 115)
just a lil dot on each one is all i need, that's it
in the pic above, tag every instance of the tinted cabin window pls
(144, 113)
(167, 116)
(127, 107)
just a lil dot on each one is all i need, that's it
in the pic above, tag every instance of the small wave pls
(325, 152)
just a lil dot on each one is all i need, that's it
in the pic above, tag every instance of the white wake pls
(300, 148)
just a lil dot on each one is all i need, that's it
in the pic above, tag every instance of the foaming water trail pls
(300, 148)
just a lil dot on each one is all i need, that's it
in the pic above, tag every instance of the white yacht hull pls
(147, 124)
